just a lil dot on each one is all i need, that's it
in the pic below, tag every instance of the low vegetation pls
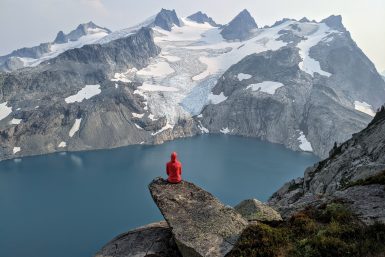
(329, 231)
(376, 179)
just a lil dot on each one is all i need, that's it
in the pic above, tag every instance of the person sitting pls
(174, 169)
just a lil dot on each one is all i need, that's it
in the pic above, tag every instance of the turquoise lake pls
(71, 204)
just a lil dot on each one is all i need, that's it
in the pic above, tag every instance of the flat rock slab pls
(153, 240)
(200, 223)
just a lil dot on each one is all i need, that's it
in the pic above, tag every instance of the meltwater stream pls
(71, 204)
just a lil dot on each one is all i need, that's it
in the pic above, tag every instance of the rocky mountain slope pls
(354, 174)
(179, 77)
(84, 34)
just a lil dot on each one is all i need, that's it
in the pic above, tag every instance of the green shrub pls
(376, 179)
(329, 231)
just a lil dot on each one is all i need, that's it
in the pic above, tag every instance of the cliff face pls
(353, 174)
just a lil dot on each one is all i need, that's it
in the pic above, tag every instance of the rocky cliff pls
(353, 174)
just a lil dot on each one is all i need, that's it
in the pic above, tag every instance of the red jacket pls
(174, 169)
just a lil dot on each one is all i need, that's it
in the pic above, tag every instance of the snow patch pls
(62, 144)
(124, 76)
(167, 126)
(85, 93)
(137, 126)
(225, 130)
(151, 117)
(242, 76)
(75, 127)
(137, 115)
(16, 149)
(4, 110)
(15, 121)
(304, 145)
(216, 99)
(308, 64)
(266, 86)
(364, 107)
(203, 129)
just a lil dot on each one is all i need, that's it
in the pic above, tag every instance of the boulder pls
(254, 210)
(151, 240)
(200, 223)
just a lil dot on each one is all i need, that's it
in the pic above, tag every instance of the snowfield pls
(62, 144)
(157, 69)
(243, 76)
(178, 83)
(149, 87)
(15, 121)
(75, 128)
(364, 107)
(16, 149)
(216, 99)
(308, 64)
(4, 110)
(85, 93)
(304, 144)
(268, 87)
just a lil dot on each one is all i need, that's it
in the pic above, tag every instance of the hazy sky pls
(29, 22)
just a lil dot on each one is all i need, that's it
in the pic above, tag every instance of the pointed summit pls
(304, 19)
(334, 22)
(166, 19)
(240, 27)
(200, 17)
(60, 38)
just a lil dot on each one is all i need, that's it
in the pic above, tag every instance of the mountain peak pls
(166, 19)
(304, 19)
(81, 30)
(240, 27)
(201, 17)
(334, 22)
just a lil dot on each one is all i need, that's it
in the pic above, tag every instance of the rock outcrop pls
(200, 17)
(347, 175)
(201, 225)
(166, 19)
(151, 240)
(255, 210)
(240, 28)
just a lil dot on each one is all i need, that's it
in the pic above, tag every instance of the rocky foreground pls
(197, 224)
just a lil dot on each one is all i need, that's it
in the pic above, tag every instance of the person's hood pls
(173, 156)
